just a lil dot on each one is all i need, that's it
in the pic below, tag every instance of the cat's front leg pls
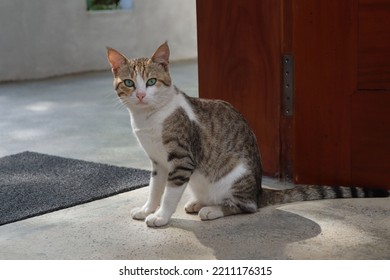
(169, 203)
(180, 168)
(158, 181)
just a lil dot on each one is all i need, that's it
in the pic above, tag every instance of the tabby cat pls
(205, 144)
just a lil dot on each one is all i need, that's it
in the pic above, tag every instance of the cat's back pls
(220, 118)
(209, 109)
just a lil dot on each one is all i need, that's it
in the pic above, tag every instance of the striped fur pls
(307, 193)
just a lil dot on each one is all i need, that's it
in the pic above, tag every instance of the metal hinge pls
(288, 84)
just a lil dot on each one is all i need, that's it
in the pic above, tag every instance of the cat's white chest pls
(149, 135)
(148, 129)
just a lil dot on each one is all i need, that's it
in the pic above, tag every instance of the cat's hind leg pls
(218, 211)
(242, 201)
(193, 206)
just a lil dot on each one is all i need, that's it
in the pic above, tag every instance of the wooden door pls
(370, 115)
(339, 133)
(342, 81)
(324, 48)
(239, 61)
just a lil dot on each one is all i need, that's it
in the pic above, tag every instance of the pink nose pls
(140, 95)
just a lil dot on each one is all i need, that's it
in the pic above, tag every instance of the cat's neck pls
(145, 118)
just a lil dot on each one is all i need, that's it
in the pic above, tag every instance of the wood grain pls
(239, 61)
(374, 44)
(324, 46)
(370, 139)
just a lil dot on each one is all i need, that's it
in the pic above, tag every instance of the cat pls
(204, 144)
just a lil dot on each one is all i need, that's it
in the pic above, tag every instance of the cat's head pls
(142, 83)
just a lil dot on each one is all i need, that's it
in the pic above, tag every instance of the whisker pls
(118, 104)
(114, 100)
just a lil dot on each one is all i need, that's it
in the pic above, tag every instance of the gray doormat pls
(32, 184)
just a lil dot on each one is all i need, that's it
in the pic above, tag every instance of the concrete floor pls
(79, 117)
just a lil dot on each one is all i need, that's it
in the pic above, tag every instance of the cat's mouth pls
(141, 103)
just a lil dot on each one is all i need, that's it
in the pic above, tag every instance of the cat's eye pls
(151, 82)
(128, 83)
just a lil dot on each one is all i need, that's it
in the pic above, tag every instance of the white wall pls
(43, 38)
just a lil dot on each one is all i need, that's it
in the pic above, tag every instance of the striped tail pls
(307, 193)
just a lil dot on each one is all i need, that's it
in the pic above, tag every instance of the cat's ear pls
(116, 59)
(161, 55)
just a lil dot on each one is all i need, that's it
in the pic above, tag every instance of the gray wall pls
(43, 38)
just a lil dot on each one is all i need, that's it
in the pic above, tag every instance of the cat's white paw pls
(193, 207)
(210, 213)
(139, 213)
(154, 220)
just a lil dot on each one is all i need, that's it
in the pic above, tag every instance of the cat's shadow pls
(263, 235)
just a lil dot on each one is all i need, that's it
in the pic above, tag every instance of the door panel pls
(374, 44)
(371, 139)
(370, 162)
(342, 71)
(324, 47)
(239, 61)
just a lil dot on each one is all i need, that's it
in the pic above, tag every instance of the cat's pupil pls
(128, 83)
(151, 82)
